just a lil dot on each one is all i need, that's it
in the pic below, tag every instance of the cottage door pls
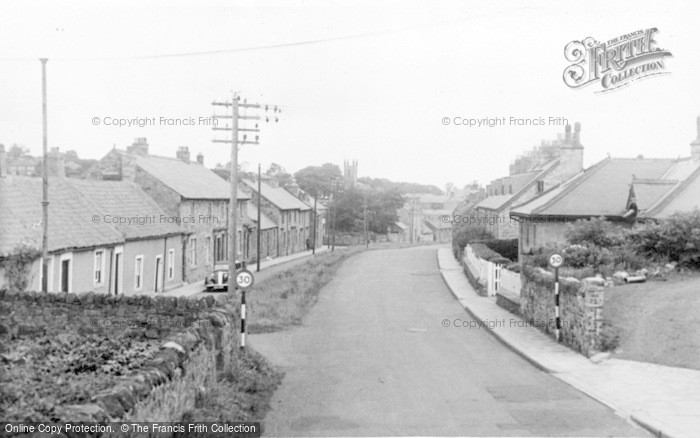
(159, 273)
(65, 272)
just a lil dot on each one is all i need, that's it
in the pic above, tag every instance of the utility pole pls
(45, 186)
(313, 248)
(334, 192)
(259, 214)
(235, 117)
(365, 222)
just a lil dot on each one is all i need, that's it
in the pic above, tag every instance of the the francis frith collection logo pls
(616, 62)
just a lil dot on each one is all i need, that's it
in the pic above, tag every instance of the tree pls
(316, 180)
(16, 151)
(278, 172)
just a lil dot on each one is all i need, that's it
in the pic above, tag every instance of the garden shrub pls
(508, 248)
(675, 239)
(596, 231)
(464, 234)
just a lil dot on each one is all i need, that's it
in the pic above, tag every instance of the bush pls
(465, 234)
(676, 239)
(508, 248)
(484, 252)
(596, 231)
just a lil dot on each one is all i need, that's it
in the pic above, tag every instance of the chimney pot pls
(138, 147)
(183, 153)
(200, 158)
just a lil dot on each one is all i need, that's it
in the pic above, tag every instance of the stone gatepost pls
(593, 295)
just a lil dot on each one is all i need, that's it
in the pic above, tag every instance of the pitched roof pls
(190, 180)
(123, 199)
(521, 183)
(71, 216)
(645, 193)
(437, 225)
(278, 196)
(601, 190)
(684, 196)
(266, 222)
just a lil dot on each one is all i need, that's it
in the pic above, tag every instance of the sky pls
(367, 80)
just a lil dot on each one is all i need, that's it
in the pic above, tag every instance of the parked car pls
(218, 279)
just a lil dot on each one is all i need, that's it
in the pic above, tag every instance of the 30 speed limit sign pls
(245, 279)
(556, 260)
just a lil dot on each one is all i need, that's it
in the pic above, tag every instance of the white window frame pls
(193, 252)
(66, 256)
(171, 264)
(138, 273)
(101, 268)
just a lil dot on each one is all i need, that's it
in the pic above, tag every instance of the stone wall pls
(187, 326)
(580, 305)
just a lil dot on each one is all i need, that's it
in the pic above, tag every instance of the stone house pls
(191, 196)
(268, 235)
(292, 216)
(620, 189)
(92, 244)
(530, 175)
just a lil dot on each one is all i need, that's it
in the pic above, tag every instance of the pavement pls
(198, 286)
(664, 400)
(373, 357)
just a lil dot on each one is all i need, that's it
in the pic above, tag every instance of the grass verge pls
(282, 300)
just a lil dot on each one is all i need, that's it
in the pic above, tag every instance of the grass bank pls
(282, 300)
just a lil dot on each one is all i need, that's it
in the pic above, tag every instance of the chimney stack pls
(183, 153)
(3, 162)
(57, 166)
(200, 158)
(139, 147)
(570, 154)
(695, 145)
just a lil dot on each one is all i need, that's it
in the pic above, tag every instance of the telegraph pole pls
(365, 222)
(313, 248)
(45, 186)
(259, 214)
(235, 142)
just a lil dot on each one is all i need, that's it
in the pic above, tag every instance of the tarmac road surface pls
(373, 358)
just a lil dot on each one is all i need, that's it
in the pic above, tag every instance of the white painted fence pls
(491, 275)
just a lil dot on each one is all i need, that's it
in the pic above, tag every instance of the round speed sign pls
(556, 260)
(245, 279)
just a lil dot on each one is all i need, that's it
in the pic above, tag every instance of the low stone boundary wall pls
(184, 325)
(580, 303)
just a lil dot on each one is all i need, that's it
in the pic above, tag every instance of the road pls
(373, 359)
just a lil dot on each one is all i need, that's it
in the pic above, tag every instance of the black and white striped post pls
(555, 261)
(244, 281)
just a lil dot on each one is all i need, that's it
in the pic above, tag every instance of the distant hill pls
(402, 187)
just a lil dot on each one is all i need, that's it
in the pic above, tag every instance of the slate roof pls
(601, 190)
(521, 182)
(437, 224)
(73, 206)
(71, 222)
(266, 222)
(126, 199)
(190, 180)
(278, 196)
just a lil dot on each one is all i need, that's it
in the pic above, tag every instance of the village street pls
(373, 357)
